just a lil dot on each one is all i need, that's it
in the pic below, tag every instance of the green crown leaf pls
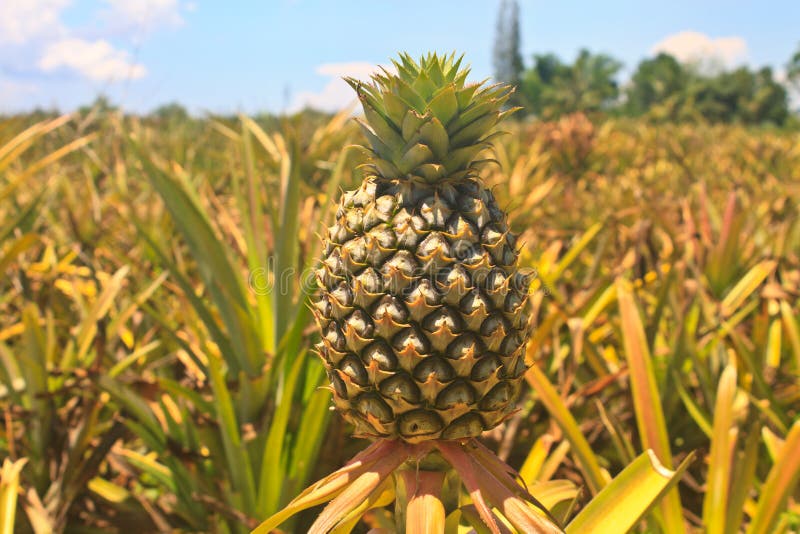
(424, 122)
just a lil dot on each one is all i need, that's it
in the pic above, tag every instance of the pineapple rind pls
(434, 348)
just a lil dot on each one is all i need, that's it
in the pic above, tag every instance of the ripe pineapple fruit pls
(421, 305)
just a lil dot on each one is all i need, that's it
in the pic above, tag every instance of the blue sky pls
(282, 54)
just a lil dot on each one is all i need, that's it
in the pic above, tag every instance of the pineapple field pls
(161, 278)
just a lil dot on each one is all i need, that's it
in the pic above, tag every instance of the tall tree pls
(793, 70)
(508, 65)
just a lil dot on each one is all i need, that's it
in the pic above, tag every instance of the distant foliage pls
(661, 88)
(553, 88)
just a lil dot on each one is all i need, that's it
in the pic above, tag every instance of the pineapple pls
(421, 307)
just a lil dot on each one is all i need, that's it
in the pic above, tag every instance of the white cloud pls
(145, 15)
(22, 21)
(696, 47)
(336, 94)
(96, 60)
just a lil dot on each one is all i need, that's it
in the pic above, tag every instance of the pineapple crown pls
(426, 123)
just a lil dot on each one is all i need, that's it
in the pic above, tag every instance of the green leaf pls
(473, 131)
(445, 104)
(433, 134)
(236, 454)
(412, 122)
(414, 157)
(273, 468)
(213, 260)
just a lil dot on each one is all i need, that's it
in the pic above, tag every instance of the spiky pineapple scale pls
(421, 306)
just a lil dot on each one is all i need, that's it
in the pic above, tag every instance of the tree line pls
(660, 88)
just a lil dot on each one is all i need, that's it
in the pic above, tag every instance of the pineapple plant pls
(421, 306)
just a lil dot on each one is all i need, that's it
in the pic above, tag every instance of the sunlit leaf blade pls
(646, 399)
(425, 511)
(9, 486)
(628, 497)
(781, 482)
(722, 444)
(469, 476)
(355, 493)
(382, 496)
(555, 406)
(552, 492)
(746, 286)
(332, 485)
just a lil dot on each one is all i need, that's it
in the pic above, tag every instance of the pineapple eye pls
(354, 252)
(491, 236)
(323, 306)
(369, 281)
(353, 368)
(382, 355)
(511, 343)
(338, 384)
(383, 236)
(343, 295)
(497, 280)
(515, 368)
(493, 325)
(420, 423)
(513, 303)
(334, 263)
(466, 345)
(485, 368)
(497, 397)
(334, 337)
(360, 323)
(461, 229)
(339, 233)
(400, 386)
(364, 195)
(425, 290)
(354, 221)
(385, 206)
(454, 283)
(439, 319)
(433, 246)
(372, 404)
(465, 426)
(409, 229)
(455, 394)
(434, 367)
(398, 272)
(474, 301)
(390, 306)
(434, 211)
(409, 338)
